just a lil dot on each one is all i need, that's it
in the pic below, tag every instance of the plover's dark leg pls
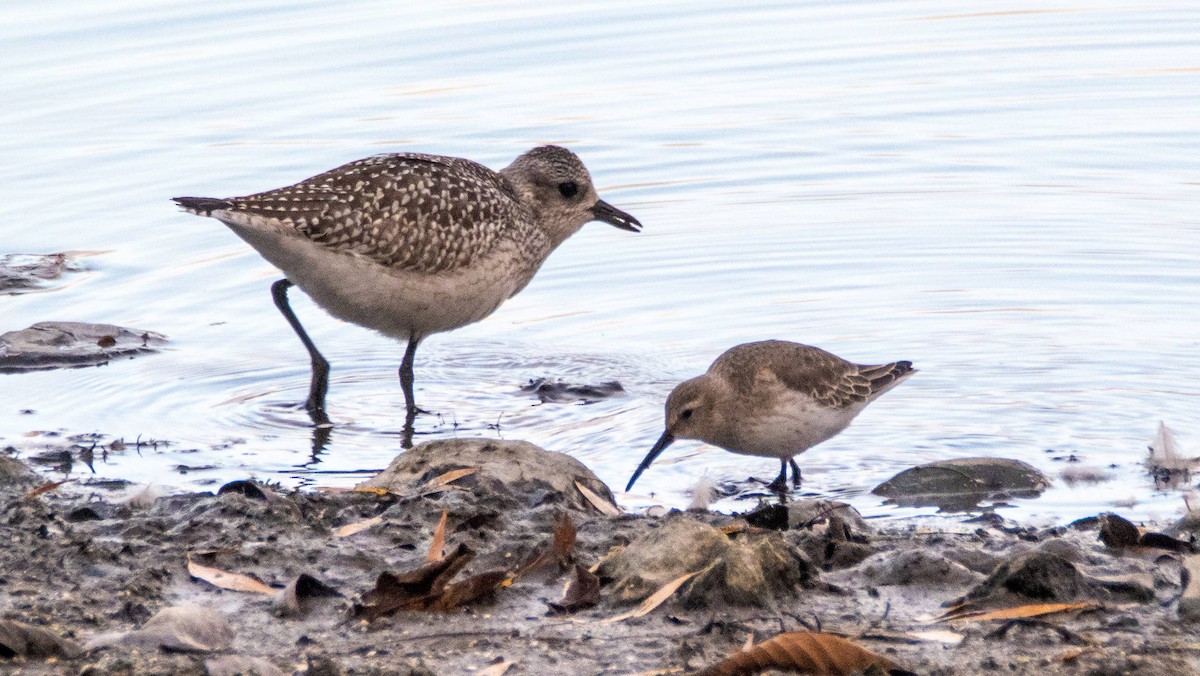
(795, 472)
(779, 485)
(320, 367)
(406, 376)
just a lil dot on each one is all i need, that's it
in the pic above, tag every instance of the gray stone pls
(52, 345)
(962, 483)
(510, 469)
(915, 566)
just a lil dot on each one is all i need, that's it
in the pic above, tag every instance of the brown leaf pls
(603, 506)
(657, 598)
(46, 488)
(437, 548)
(357, 527)
(474, 588)
(1117, 532)
(226, 580)
(583, 592)
(1031, 610)
(413, 590)
(564, 539)
(497, 669)
(452, 476)
(803, 652)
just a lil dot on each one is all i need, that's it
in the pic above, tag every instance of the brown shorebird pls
(774, 399)
(411, 245)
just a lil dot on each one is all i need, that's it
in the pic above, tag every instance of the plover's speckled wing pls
(824, 376)
(408, 211)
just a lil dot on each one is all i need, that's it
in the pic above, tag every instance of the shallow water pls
(1009, 199)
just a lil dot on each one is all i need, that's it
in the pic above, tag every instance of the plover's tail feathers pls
(886, 376)
(202, 206)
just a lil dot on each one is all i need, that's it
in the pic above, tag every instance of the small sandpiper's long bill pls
(774, 399)
(410, 244)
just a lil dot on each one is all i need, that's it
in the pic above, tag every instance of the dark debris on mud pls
(94, 570)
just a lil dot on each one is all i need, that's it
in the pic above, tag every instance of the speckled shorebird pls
(410, 244)
(774, 399)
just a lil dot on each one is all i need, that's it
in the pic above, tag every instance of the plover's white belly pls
(397, 303)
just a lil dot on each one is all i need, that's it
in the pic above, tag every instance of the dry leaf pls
(437, 548)
(603, 506)
(452, 476)
(1031, 610)
(803, 652)
(357, 527)
(556, 555)
(749, 642)
(225, 580)
(46, 488)
(497, 669)
(564, 539)
(414, 590)
(656, 599)
(368, 489)
(474, 588)
(582, 592)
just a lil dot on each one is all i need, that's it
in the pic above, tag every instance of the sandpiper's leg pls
(779, 485)
(795, 472)
(320, 367)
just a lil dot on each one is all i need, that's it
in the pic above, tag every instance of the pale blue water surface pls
(1010, 199)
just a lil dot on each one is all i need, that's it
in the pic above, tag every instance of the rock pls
(808, 513)
(20, 273)
(750, 570)
(18, 639)
(13, 470)
(558, 392)
(962, 483)
(916, 566)
(515, 470)
(178, 629)
(51, 345)
(1045, 576)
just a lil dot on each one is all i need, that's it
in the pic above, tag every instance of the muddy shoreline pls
(89, 561)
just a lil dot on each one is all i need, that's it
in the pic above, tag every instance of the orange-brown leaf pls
(226, 580)
(564, 539)
(804, 652)
(657, 598)
(46, 488)
(603, 506)
(437, 548)
(414, 590)
(474, 588)
(357, 527)
(1031, 610)
(583, 592)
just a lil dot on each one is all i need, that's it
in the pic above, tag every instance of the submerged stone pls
(963, 483)
(52, 345)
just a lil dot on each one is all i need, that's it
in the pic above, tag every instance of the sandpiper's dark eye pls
(568, 188)
(687, 414)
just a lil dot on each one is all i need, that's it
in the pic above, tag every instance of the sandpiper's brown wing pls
(410, 211)
(824, 376)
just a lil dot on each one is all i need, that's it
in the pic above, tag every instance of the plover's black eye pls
(568, 188)
(687, 414)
